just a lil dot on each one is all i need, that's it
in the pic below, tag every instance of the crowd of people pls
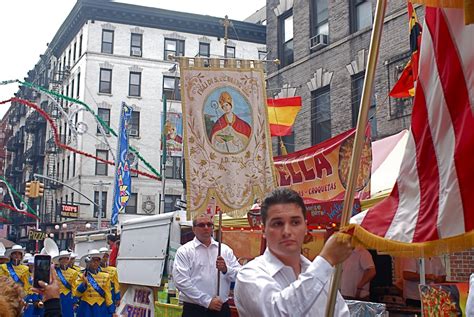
(88, 289)
(280, 282)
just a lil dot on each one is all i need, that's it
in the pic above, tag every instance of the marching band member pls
(67, 283)
(72, 263)
(18, 272)
(3, 258)
(94, 290)
(112, 271)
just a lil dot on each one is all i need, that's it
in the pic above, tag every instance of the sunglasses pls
(202, 225)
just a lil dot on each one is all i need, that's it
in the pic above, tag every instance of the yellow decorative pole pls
(359, 140)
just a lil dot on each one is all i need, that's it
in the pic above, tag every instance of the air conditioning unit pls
(133, 132)
(136, 51)
(319, 41)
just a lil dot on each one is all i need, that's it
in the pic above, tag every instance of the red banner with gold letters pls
(320, 172)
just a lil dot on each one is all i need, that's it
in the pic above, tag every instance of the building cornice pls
(114, 12)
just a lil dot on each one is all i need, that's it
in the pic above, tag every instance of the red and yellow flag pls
(467, 5)
(405, 86)
(282, 114)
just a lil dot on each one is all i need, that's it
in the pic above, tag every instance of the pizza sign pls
(37, 235)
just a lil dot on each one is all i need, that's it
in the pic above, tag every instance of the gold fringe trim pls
(467, 5)
(368, 240)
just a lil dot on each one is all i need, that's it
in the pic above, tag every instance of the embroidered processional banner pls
(227, 144)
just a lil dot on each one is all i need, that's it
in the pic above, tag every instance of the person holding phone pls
(112, 271)
(67, 283)
(18, 272)
(94, 290)
(34, 301)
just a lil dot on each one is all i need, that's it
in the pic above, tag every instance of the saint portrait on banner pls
(228, 120)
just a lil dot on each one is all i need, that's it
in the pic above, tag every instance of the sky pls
(28, 25)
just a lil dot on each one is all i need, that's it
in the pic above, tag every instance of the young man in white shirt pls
(282, 282)
(434, 273)
(195, 274)
(357, 272)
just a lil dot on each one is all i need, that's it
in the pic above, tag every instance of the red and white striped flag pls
(431, 207)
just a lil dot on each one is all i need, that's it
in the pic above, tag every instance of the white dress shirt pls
(470, 298)
(268, 288)
(195, 273)
(353, 270)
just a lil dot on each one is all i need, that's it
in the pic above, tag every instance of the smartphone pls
(42, 269)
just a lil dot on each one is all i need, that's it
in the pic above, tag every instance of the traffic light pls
(31, 189)
(40, 189)
(28, 189)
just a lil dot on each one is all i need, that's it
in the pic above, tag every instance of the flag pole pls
(219, 235)
(359, 140)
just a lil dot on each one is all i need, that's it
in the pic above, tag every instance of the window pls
(68, 166)
(229, 52)
(262, 55)
(69, 58)
(135, 124)
(286, 38)
(80, 45)
(357, 86)
(104, 205)
(204, 49)
(170, 202)
(78, 84)
(174, 48)
(107, 42)
(72, 198)
(361, 14)
(72, 88)
(320, 115)
(62, 170)
(132, 204)
(101, 167)
(73, 164)
(74, 52)
(104, 114)
(319, 17)
(136, 45)
(134, 87)
(171, 88)
(105, 81)
(173, 167)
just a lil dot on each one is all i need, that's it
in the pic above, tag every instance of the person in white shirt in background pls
(434, 273)
(195, 273)
(357, 272)
(282, 282)
(470, 298)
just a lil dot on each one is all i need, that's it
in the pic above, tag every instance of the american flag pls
(431, 207)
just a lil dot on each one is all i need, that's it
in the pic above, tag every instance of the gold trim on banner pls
(238, 65)
(368, 240)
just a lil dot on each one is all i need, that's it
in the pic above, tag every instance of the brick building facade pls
(323, 47)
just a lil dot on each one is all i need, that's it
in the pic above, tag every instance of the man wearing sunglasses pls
(195, 272)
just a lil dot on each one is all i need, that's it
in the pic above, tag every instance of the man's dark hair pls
(281, 196)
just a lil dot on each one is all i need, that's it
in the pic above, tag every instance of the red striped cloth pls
(433, 197)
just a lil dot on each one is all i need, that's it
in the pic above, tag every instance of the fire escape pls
(52, 150)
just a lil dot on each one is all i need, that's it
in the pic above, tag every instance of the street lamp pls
(64, 225)
(51, 235)
(88, 225)
(56, 227)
